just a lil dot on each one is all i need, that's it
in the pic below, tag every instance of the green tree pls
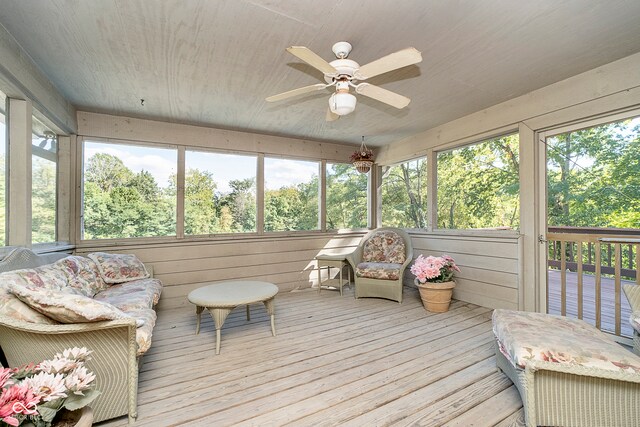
(478, 185)
(241, 202)
(346, 197)
(43, 201)
(404, 195)
(107, 171)
(199, 203)
(593, 177)
(123, 203)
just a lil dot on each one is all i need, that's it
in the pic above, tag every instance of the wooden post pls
(618, 267)
(563, 278)
(598, 297)
(579, 273)
(19, 117)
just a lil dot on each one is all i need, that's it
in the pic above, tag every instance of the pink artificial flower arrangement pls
(35, 393)
(434, 269)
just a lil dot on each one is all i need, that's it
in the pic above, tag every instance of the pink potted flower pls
(434, 279)
(35, 394)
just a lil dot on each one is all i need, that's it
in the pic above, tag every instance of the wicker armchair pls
(379, 263)
(633, 295)
(114, 359)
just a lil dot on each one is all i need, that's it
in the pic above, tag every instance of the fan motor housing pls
(346, 68)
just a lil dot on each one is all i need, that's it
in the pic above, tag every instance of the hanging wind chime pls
(362, 159)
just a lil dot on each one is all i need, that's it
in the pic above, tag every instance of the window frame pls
(222, 152)
(468, 142)
(180, 236)
(79, 211)
(321, 226)
(427, 184)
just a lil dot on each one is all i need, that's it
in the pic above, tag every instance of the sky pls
(161, 163)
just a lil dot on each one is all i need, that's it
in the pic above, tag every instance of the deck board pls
(335, 361)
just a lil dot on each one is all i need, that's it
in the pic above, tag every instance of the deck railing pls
(592, 264)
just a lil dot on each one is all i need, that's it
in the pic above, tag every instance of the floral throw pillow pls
(119, 268)
(67, 306)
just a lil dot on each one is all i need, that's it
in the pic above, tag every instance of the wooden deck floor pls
(335, 361)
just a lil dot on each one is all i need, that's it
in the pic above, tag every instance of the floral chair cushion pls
(131, 296)
(384, 246)
(85, 275)
(11, 306)
(66, 306)
(524, 337)
(144, 332)
(119, 268)
(379, 270)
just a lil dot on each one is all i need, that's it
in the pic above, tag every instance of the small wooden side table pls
(333, 261)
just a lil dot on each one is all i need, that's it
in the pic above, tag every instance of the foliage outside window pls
(346, 197)
(220, 193)
(404, 195)
(291, 200)
(3, 166)
(478, 185)
(593, 176)
(129, 191)
(44, 160)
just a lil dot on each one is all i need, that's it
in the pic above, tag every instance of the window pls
(478, 185)
(44, 162)
(291, 199)
(594, 176)
(404, 195)
(220, 193)
(129, 191)
(3, 168)
(346, 197)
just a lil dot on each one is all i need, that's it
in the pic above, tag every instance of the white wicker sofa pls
(35, 324)
(568, 372)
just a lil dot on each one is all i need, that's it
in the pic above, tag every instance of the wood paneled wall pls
(490, 265)
(287, 261)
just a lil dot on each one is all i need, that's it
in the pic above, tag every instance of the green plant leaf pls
(75, 401)
(46, 413)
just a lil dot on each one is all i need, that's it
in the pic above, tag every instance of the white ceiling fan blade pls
(331, 116)
(399, 59)
(311, 58)
(296, 92)
(382, 95)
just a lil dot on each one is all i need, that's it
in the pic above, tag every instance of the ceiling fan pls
(344, 73)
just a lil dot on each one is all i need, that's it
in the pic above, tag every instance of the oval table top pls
(232, 294)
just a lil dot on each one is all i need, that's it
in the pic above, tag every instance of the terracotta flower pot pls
(81, 418)
(436, 297)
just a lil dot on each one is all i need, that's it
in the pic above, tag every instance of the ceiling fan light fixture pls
(342, 103)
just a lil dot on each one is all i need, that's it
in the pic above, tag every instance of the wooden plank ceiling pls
(213, 62)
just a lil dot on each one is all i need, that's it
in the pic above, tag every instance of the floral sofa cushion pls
(119, 268)
(50, 276)
(384, 246)
(11, 306)
(379, 270)
(131, 296)
(67, 306)
(144, 332)
(85, 275)
(524, 337)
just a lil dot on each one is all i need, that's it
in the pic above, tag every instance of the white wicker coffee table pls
(221, 298)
